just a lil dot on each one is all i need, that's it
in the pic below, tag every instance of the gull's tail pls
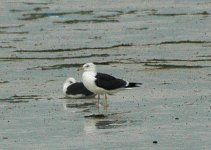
(132, 84)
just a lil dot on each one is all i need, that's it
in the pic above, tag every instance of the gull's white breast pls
(89, 81)
(88, 78)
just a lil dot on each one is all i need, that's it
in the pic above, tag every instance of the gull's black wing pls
(109, 82)
(78, 88)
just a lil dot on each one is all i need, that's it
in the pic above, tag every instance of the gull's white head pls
(67, 83)
(70, 81)
(89, 67)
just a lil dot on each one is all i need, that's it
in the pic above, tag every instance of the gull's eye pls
(70, 81)
(87, 66)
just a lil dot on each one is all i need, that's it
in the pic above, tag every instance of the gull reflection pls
(78, 105)
(101, 121)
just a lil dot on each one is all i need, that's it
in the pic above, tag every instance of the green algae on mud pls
(204, 56)
(7, 46)
(22, 10)
(20, 99)
(2, 29)
(178, 42)
(176, 60)
(75, 21)
(118, 13)
(75, 65)
(3, 82)
(14, 26)
(61, 66)
(74, 49)
(168, 66)
(52, 58)
(110, 47)
(16, 32)
(179, 14)
(138, 29)
(40, 8)
(33, 16)
(24, 97)
(35, 3)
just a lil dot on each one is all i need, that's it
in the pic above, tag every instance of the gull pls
(100, 83)
(74, 89)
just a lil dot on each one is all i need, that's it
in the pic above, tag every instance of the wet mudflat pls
(165, 45)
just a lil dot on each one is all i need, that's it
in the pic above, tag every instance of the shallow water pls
(166, 45)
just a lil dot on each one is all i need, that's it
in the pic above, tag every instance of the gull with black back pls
(74, 89)
(100, 83)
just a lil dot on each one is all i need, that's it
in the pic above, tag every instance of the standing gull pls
(74, 89)
(100, 83)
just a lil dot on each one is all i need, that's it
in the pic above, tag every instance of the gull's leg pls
(106, 102)
(98, 101)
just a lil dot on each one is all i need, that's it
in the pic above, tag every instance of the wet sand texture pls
(166, 45)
